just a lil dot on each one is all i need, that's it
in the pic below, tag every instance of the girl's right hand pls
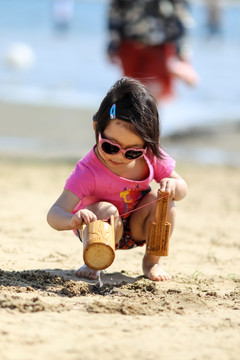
(82, 216)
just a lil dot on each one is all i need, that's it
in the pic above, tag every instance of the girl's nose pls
(120, 156)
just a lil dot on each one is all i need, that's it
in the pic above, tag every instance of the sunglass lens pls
(132, 154)
(109, 148)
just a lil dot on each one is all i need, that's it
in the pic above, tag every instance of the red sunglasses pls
(113, 149)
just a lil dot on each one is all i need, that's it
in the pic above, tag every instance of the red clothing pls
(149, 64)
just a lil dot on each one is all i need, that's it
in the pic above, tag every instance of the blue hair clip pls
(113, 112)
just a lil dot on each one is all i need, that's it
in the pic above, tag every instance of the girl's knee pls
(103, 210)
(108, 210)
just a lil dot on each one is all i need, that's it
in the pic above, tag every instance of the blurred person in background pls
(214, 17)
(148, 40)
(62, 14)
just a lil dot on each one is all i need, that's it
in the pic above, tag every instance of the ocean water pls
(70, 68)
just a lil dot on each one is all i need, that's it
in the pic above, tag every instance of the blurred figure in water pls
(148, 40)
(214, 17)
(62, 14)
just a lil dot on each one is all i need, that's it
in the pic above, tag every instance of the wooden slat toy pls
(159, 230)
(99, 244)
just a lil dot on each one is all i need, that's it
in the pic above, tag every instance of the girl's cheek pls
(102, 153)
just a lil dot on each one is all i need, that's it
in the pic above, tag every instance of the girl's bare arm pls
(60, 215)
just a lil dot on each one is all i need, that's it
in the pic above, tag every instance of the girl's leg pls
(139, 223)
(102, 210)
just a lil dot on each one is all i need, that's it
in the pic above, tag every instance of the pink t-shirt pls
(91, 181)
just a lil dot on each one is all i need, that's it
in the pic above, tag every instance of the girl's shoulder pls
(162, 167)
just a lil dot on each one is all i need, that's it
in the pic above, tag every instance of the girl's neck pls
(137, 170)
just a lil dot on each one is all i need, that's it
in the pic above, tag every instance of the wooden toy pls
(99, 244)
(159, 230)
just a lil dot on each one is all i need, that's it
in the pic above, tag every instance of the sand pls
(46, 312)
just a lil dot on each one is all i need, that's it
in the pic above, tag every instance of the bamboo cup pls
(99, 244)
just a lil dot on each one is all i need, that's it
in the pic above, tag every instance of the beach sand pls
(48, 313)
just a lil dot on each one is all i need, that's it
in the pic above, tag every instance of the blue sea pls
(69, 67)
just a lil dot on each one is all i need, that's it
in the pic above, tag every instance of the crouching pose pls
(114, 177)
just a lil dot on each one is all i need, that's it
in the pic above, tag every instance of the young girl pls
(114, 177)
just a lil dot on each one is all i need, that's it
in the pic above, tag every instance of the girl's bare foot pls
(86, 273)
(152, 269)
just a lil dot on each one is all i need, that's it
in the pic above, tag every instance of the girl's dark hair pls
(135, 105)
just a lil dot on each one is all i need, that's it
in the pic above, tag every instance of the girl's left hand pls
(175, 186)
(168, 185)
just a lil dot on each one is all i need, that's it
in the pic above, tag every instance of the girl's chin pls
(114, 163)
